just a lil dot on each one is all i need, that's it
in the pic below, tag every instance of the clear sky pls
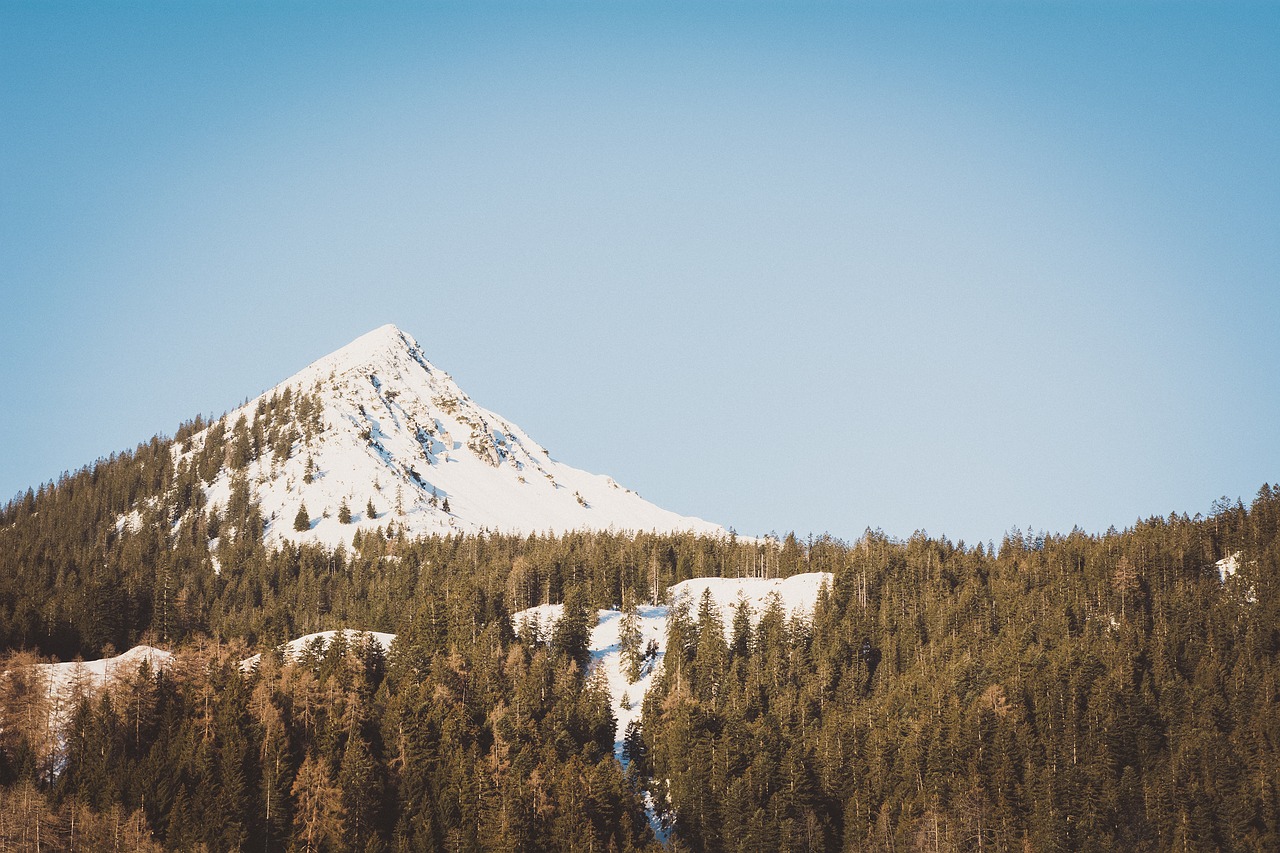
(786, 266)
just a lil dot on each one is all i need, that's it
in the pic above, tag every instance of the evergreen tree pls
(633, 751)
(629, 635)
(571, 637)
(711, 654)
(240, 451)
(302, 521)
(361, 794)
(740, 645)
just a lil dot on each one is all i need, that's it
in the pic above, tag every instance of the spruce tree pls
(571, 637)
(741, 645)
(361, 794)
(302, 521)
(629, 635)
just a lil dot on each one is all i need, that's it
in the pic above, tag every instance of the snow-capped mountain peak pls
(375, 426)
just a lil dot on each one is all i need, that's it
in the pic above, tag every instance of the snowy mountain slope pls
(375, 423)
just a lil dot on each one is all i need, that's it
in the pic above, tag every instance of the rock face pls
(376, 426)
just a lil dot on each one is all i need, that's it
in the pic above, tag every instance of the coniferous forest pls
(1048, 692)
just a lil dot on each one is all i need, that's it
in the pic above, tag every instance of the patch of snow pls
(796, 594)
(66, 682)
(131, 521)
(1228, 566)
(660, 825)
(293, 649)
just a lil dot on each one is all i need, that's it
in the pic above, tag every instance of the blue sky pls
(799, 266)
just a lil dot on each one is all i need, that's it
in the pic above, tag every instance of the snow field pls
(295, 647)
(64, 682)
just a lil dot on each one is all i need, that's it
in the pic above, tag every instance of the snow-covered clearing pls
(797, 594)
(320, 641)
(1229, 571)
(64, 684)
(65, 681)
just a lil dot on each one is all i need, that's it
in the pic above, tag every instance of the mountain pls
(375, 424)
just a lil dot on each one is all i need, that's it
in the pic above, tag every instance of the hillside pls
(1062, 692)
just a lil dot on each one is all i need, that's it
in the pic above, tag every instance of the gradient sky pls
(812, 267)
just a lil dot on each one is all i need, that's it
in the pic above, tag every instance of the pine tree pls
(629, 635)
(241, 450)
(633, 751)
(445, 506)
(361, 794)
(712, 653)
(344, 512)
(572, 634)
(302, 521)
(740, 647)
(369, 511)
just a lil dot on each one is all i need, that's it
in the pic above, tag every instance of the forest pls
(1068, 691)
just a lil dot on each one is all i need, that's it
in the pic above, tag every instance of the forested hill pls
(1064, 692)
(1068, 693)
